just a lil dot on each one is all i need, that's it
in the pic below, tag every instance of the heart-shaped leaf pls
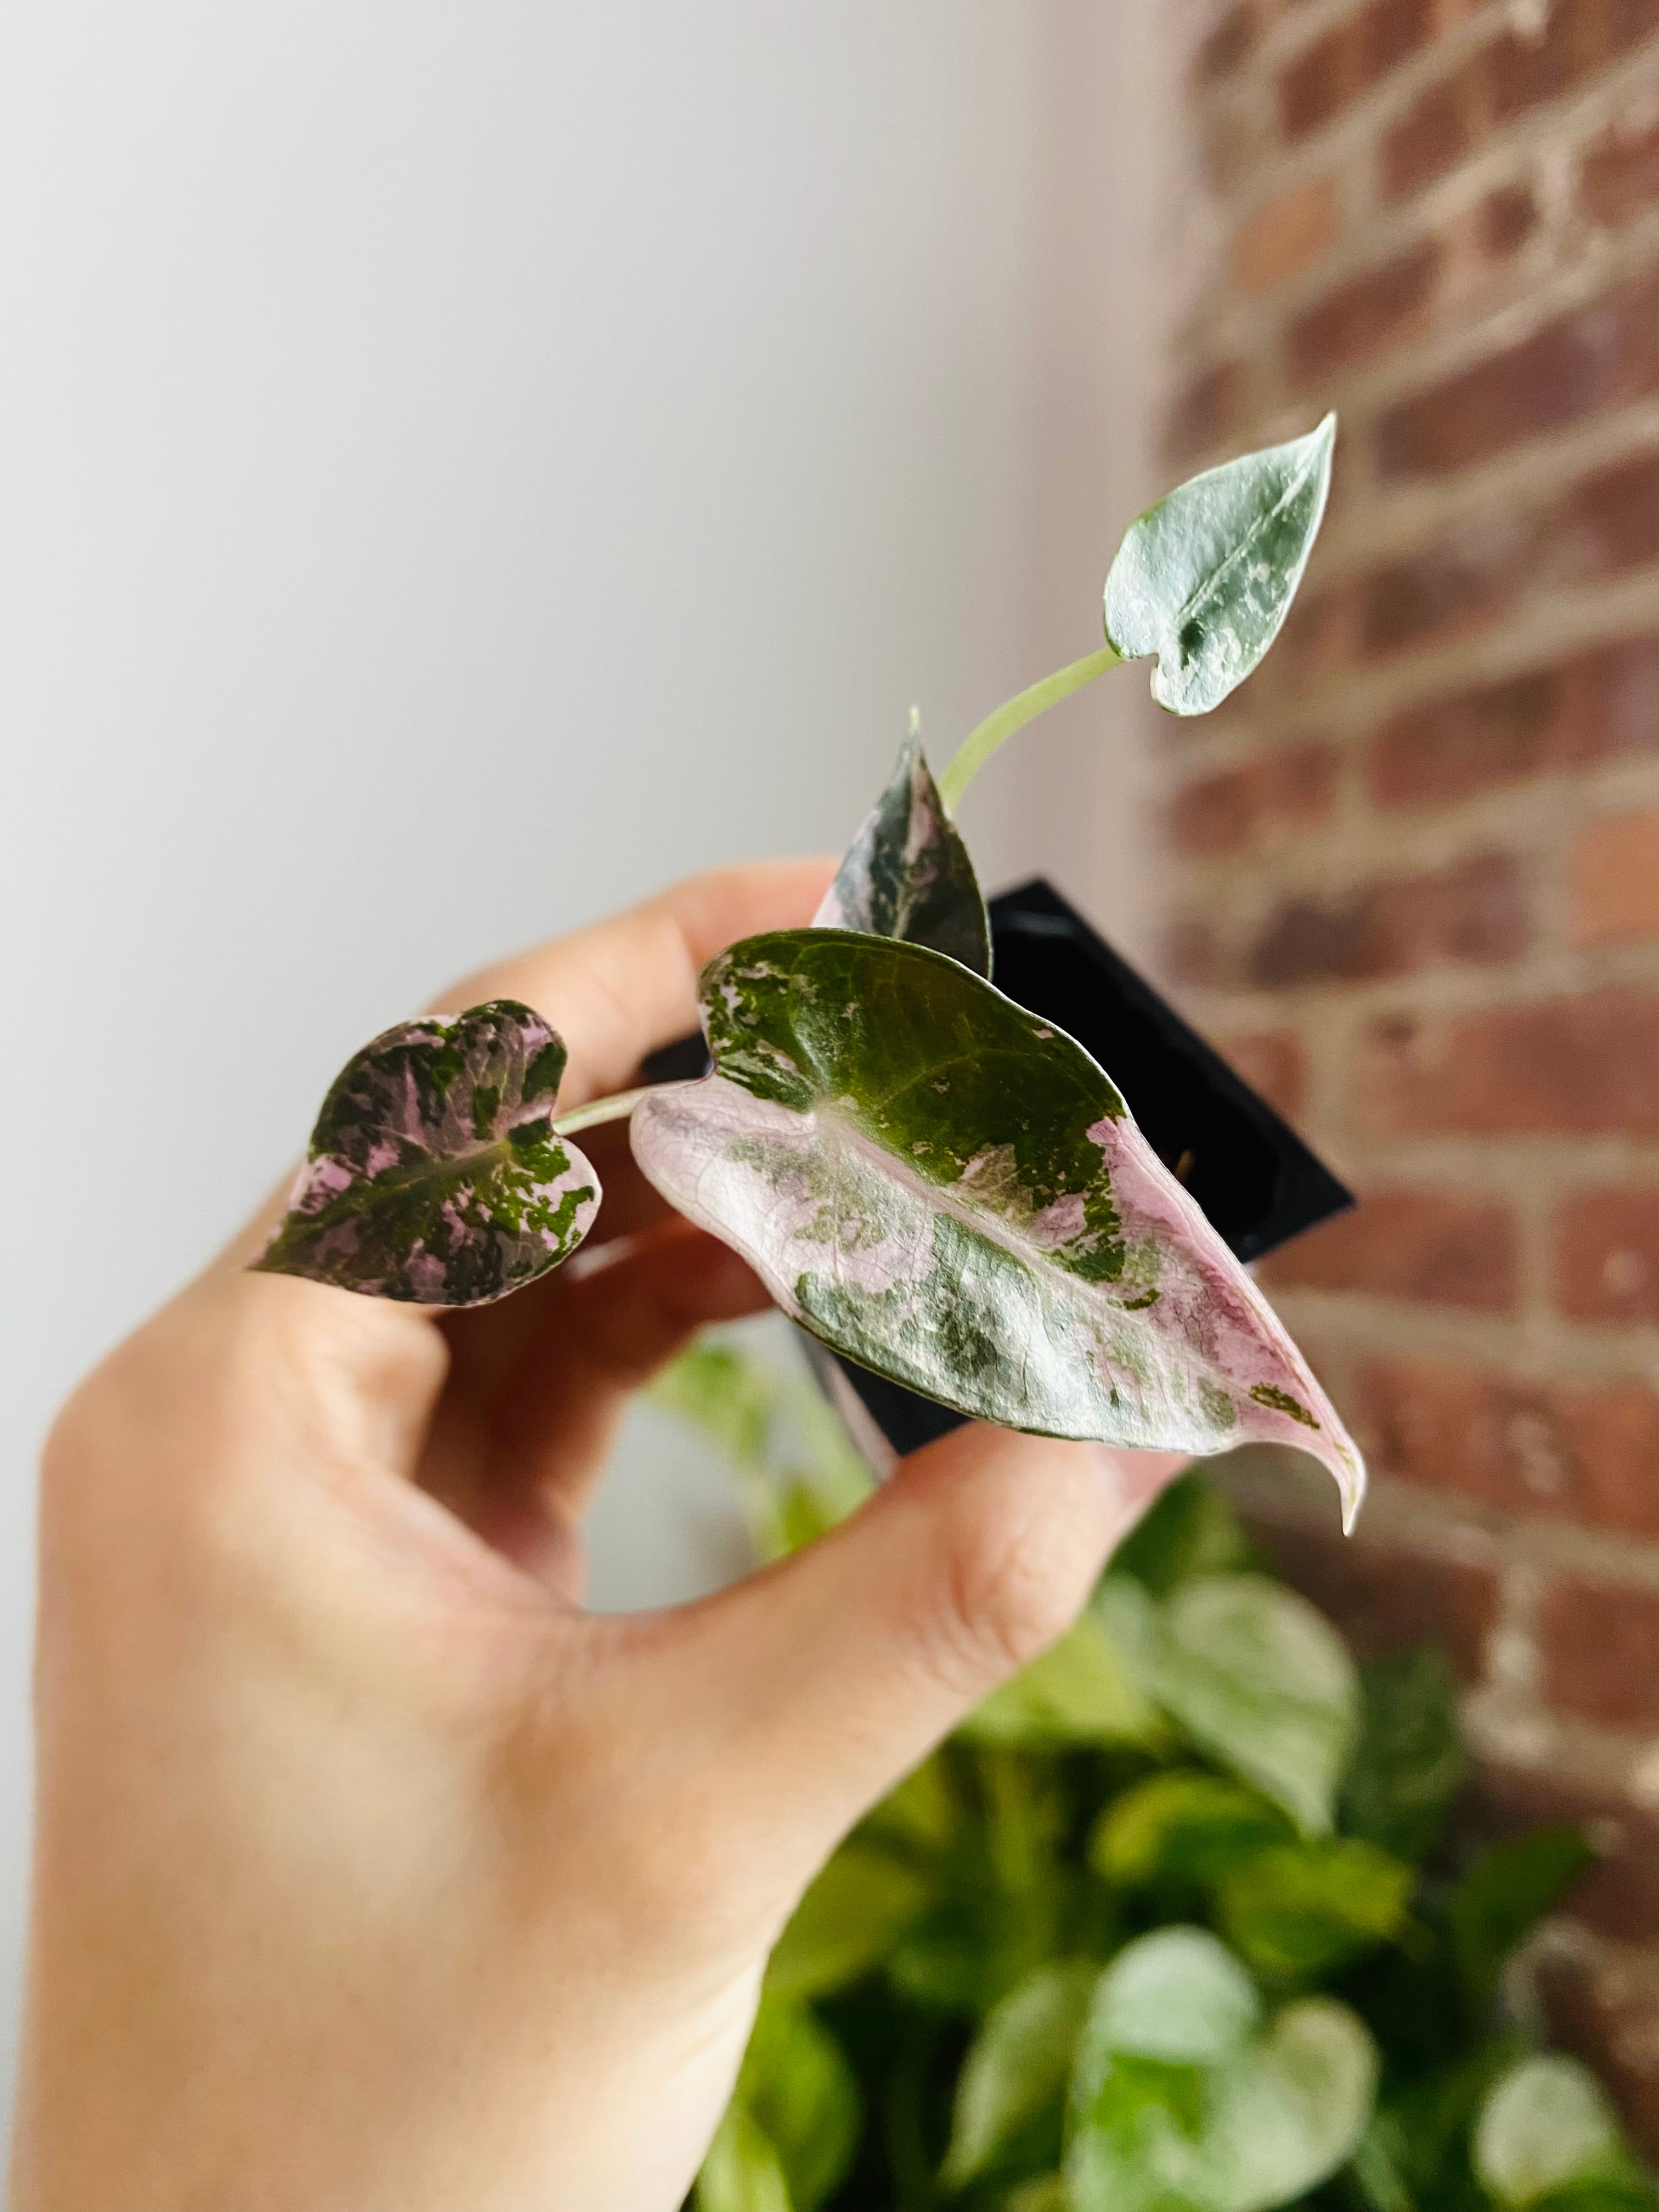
(1016, 2069)
(1177, 2098)
(1302, 1910)
(1548, 2126)
(1260, 1681)
(951, 1191)
(906, 873)
(1183, 1827)
(1205, 578)
(435, 1174)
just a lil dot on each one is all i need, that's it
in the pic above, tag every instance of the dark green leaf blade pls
(908, 874)
(1409, 1763)
(951, 1191)
(1298, 1911)
(1506, 1891)
(435, 1174)
(1204, 579)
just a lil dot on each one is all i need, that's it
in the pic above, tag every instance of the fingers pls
(600, 1342)
(628, 985)
(840, 1668)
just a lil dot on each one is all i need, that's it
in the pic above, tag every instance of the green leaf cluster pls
(1172, 1923)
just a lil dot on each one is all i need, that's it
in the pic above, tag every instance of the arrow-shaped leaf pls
(1205, 578)
(906, 873)
(951, 1191)
(435, 1174)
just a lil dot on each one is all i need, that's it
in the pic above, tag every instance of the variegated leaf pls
(1205, 578)
(948, 1190)
(906, 873)
(435, 1174)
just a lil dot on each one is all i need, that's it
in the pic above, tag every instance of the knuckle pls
(1009, 1590)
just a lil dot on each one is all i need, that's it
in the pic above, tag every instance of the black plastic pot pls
(1257, 1181)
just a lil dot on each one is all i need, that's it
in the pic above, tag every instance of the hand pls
(372, 1874)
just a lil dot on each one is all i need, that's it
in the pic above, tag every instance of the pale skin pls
(374, 1874)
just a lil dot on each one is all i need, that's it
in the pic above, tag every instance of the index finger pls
(622, 987)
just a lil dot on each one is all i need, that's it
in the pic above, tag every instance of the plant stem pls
(616, 1107)
(977, 747)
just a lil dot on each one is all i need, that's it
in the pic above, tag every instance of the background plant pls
(1173, 1920)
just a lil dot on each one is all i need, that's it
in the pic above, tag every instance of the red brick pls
(1605, 2009)
(1284, 235)
(1231, 43)
(1385, 1599)
(1428, 1246)
(1610, 522)
(1389, 30)
(1618, 1897)
(1625, 23)
(1607, 1256)
(1272, 1062)
(1600, 355)
(1463, 581)
(1283, 792)
(1431, 137)
(1600, 702)
(1612, 881)
(1317, 640)
(1564, 1067)
(1207, 410)
(1578, 1452)
(1523, 70)
(1600, 1642)
(1475, 910)
(1317, 83)
(1508, 218)
(1619, 174)
(1365, 314)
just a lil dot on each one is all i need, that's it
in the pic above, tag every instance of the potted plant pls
(939, 1183)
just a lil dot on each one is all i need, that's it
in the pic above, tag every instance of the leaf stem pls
(977, 747)
(616, 1107)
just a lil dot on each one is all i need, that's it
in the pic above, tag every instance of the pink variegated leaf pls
(434, 1173)
(948, 1191)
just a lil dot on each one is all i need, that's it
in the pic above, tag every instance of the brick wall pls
(1415, 862)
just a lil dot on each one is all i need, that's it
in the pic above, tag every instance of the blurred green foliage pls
(1171, 1924)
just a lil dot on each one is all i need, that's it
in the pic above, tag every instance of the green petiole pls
(977, 747)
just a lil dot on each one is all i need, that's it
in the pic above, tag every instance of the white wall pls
(461, 466)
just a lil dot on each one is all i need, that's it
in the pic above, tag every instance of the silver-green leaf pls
(1204, 579)
(908, 874)
(948, 1191)
(1548, 2125)
(435, 1174)
(1017, 2067)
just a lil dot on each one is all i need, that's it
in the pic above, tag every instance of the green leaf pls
(1078, 1692)
(1300, 1910)
(1294, 2111)
(1047, 2193)
(1409, 1765)
(846, 1922)
(1016, 2069)
(1205, 578)
(803, 2096)
(1507, 1890)
(948, 1191)
(1191, 1530)
(435, 1174)
(1176, 2098)
(1177, 1995)
(906, 873)
(920, 1813)
(1183, 1827)
(1546, 2127)
(1262, 1683)
(743, 2171)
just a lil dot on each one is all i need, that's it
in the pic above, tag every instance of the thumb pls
(841, 1666)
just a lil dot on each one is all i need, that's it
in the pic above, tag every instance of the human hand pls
(373, 1874)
